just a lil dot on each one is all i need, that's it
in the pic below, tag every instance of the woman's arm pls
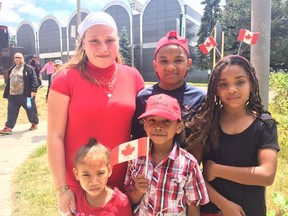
(193, 210)
(226, 206)
(261, 175)
(57, 120)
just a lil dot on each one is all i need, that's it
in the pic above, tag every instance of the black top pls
(241, 150)
(35, 65)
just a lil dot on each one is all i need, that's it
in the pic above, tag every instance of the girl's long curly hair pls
(204, 125)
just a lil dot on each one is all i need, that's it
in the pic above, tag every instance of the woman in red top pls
(92, 97)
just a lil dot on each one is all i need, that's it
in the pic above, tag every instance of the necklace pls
(106, 84)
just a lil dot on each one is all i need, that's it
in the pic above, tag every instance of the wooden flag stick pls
(222, 48)
(130, 164)
(215, 48)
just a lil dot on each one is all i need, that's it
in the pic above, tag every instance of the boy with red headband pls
(167, 181)
(171, 63)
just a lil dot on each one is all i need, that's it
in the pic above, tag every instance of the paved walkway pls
(14, 150)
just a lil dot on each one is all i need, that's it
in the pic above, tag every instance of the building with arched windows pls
(145, 25)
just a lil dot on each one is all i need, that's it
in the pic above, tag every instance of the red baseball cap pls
(172, 38)
(162, 105)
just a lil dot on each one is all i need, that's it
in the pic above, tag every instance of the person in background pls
(238, 138)
(171, 63)
(21, 84)
(174, 184)
(92, 96)
(49, 68)
(34, 62)
(92, 169)
(57, 65)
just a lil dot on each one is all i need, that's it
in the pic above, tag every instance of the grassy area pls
(33, 190)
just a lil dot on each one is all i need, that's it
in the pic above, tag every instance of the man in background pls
(21, 84)
(34, 62)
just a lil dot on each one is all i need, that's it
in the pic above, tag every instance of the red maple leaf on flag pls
(207, 44)
(128, 150)
(248, 37)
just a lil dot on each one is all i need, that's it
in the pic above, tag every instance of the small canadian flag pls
(248, 36)
(207, 46)
(129, 150)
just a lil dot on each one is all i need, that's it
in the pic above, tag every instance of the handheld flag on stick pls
(248, 37)
(207, 46)
(129, 150)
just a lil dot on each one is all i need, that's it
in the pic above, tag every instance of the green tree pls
(279, 36)
(125, 47)
(210, 16)
(235, 16)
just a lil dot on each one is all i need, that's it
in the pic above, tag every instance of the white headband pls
(96, 18)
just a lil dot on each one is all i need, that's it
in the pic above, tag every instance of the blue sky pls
(13, 12)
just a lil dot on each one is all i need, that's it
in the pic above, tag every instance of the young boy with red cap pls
(171, 63)
(170, 181)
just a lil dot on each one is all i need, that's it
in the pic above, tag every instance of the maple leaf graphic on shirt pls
(128, 150)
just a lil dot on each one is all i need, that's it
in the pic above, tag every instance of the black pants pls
(14, 104)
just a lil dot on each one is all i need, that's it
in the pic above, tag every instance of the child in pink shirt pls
(49, 68)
